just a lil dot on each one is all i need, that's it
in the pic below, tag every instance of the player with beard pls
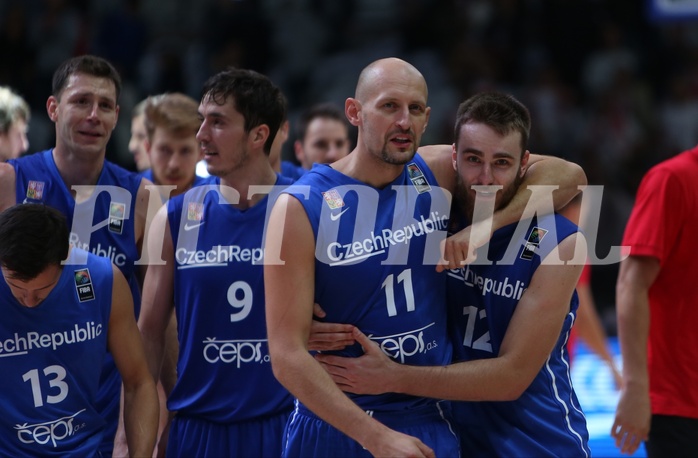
(510, 310)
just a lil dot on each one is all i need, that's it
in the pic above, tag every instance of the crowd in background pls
(608, 87)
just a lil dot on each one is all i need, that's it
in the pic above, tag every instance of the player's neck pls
(253, 174)
(78, 169)
(365, 167)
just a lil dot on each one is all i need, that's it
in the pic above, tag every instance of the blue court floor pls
(594, 386)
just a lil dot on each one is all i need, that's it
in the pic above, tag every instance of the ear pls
(259, 135)
(116, 118)
(298, 149)
(52, 108)
(454, 157)
(524, 162)
(427, 112)
(352, 109)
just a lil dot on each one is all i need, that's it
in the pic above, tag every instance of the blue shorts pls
(194, 437)
(309, 436)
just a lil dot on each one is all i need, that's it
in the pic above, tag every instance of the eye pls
(473, 159)
(323, 145)
(502, 163)
(417, 108)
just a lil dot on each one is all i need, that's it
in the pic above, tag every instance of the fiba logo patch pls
(83, 285)
(117, 213)
(531, 245)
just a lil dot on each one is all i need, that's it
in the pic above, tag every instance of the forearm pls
(141, 418)
(477, 380)
(549, 171)
(170, 354)
(154, 348)
(633, 331)
(307, 381)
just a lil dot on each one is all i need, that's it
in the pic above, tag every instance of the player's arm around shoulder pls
(543, 170)
(7, 186)
(140, 395)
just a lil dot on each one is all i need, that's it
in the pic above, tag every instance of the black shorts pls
(672, 437)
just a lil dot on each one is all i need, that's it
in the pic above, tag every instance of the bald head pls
(387, 72)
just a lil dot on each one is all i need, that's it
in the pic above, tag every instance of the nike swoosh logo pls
(335, 216)
(187, 227)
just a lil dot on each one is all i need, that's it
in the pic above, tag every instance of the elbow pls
(281, 366)
(514, 384)
(513, 391)
(580, 176)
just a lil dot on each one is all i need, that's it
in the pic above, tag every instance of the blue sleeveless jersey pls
(547, 419)
(111, 213)
(224, 370)
(50, 360)
(376, 252)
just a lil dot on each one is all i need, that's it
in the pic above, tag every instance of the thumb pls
(318, 311)
(363, 340)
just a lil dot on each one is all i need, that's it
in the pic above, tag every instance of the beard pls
(465, 200)
(400, 157)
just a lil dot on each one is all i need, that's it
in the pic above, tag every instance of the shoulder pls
(7, 186)
(122, 175)
(439, 159)
(291, 170)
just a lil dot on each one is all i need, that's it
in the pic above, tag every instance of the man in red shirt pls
(657, 307)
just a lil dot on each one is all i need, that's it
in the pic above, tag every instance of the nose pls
(94, 111)
(174, 162)
(333, 153)
(404, 121)
(133, 145)
(486, 178)
(202, 134)
(24, 143)
(30, 299)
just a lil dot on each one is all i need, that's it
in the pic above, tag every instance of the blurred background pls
(611, 84)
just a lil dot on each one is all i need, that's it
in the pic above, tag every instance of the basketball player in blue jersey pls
(361, 238)
(104, 204)
(511, 310)
(58, 320)
(227, 400)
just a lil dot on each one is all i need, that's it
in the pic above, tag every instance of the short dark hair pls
(255, 96)
(32, 237)
(89, 65)
(324, 110)
(502, 112)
